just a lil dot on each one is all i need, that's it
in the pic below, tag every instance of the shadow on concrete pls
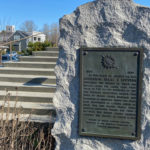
(36, 81)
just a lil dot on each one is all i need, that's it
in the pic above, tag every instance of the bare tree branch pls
(28, 26)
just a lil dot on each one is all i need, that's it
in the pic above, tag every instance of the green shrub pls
(37, 46)
(47, 44)
(30, 44)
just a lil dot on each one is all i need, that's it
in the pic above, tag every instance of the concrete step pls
(40, 112)
(14, 86)
(27, 105)
(28, 117)
(30, 64)
(52, 49)
(26, 71)
(28, 86)
(28, 79)
(20, 96)
(45, 53)
(38, 58)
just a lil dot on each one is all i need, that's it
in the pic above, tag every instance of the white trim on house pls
(37, 37)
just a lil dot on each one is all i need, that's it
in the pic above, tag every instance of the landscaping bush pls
(47, 44)
(37, 46)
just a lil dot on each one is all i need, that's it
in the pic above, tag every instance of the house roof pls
(22, 33)
(26, 34)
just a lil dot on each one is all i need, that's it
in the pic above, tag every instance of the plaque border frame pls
(140, 76)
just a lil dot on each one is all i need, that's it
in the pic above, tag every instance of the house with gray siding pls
(21, 45)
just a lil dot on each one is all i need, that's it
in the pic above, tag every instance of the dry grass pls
(18, 135)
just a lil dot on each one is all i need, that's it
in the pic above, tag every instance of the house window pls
(39, 39)
(34, 38)
(16, 37)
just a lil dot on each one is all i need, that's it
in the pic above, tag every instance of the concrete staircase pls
(32, 82)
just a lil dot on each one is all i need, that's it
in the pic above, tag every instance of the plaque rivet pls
(132, 134)
(135, 54)
(85, 53)
(83, 130)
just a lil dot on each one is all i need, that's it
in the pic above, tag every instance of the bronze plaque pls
(110, 92)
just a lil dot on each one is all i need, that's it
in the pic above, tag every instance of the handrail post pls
(10, 51)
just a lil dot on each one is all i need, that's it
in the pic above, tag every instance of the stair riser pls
(42, 112)
(52, 49)
(27, 99)
(45, 54)
(30, 65)
(28, 89)
(28, 80)
(28, 72)
(38, 59)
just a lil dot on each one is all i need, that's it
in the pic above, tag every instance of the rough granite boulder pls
(101, 23)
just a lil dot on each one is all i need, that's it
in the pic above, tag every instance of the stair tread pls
(52, 51)
(27, 76)
(33, 69)
(28, 62)
(52, 48)
(18, 84)
(38, 56)
(31, 105)
(32, 118)
(27, 94)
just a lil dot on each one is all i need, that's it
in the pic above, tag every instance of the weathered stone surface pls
(102, 23)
